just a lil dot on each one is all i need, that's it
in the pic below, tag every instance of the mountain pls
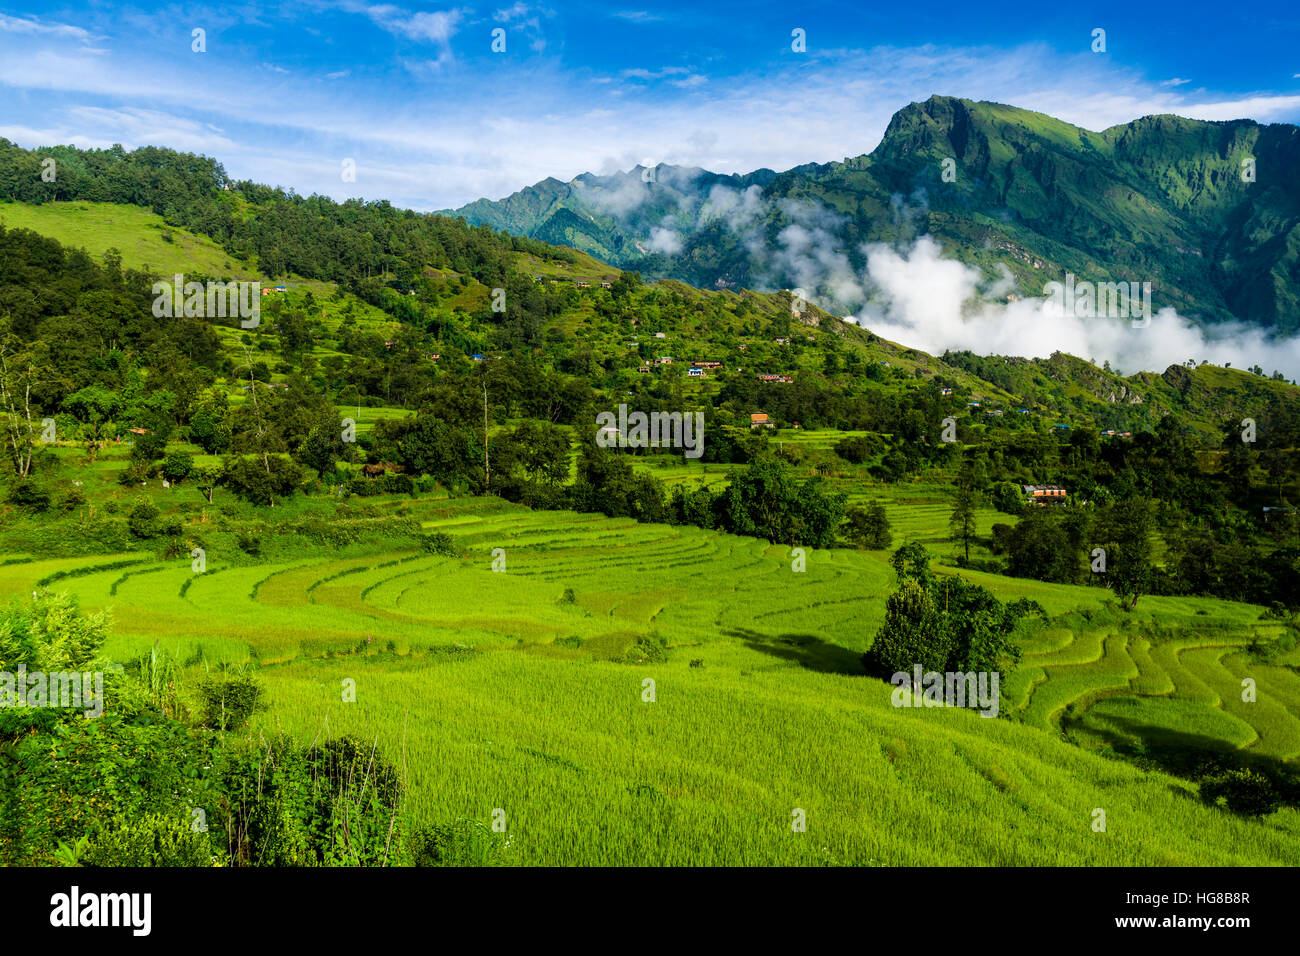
(613, 217)
(1207, 212)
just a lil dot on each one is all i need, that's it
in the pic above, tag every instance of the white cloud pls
(925, 301)
(33, 26)
(665, 241)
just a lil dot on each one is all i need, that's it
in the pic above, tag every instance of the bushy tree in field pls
(692, 506)
(1039, 548)
(944, 623)
(143, 520)
(227, 700)
(765, 500)
(1126, 532)
(912, 562)
(868, 527)
(912, 634)
(262, 480)
(177, 466)
(1245, 792)
(855, 449)
(49, 633)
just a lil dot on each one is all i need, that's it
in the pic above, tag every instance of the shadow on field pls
(806, 650)
(1194, 756)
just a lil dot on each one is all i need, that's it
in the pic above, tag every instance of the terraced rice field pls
(525, 690)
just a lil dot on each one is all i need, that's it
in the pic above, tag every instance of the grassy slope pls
(775, 718)
(487, 706)
(138, 235)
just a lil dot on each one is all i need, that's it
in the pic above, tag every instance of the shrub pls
(227, 701)
(868, 527)
(154, 840)
(463, 843)
(439, 542)
(178, 466)
(1006, 497)
(647, 649)
(134, 473)
(29, 496)
(1244, 792)
(142, 522)
(856, 449)
(73, 500)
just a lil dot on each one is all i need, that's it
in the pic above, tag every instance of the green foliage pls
(155, 839)
(855, 449)
(945, 623)
(29, 496)
(868, 527)
(439, 542)
(463, 843)
(764, 500)
(262, 480)
(178, 466)
(1242, 791)
(226, 701)
(143, 520)
(50, 633)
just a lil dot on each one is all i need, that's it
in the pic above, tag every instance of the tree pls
(262, 482)
(962, 520)
(93, 406)
(911, 635)
(855, 449)
(207, 478)
(1038, 547)
(912, 562)
(944, 623)
(868, 527)
(178, 466)
(1127, 531)
(323, 447)
(764, 500)
(20, 375)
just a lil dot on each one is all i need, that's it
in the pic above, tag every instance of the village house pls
(784, 379)
(1044, 494)
(695, 372)
(660, 335)
(707, 364)
(945, 391)
(664, 360)
(760, 420)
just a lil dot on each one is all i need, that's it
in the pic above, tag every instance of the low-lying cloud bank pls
(912, 295)
(915, 297)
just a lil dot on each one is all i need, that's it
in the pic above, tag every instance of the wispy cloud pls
(34, 26)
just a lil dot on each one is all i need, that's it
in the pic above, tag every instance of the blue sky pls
(413, 94)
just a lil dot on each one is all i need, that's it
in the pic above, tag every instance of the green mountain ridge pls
(1161, 199)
